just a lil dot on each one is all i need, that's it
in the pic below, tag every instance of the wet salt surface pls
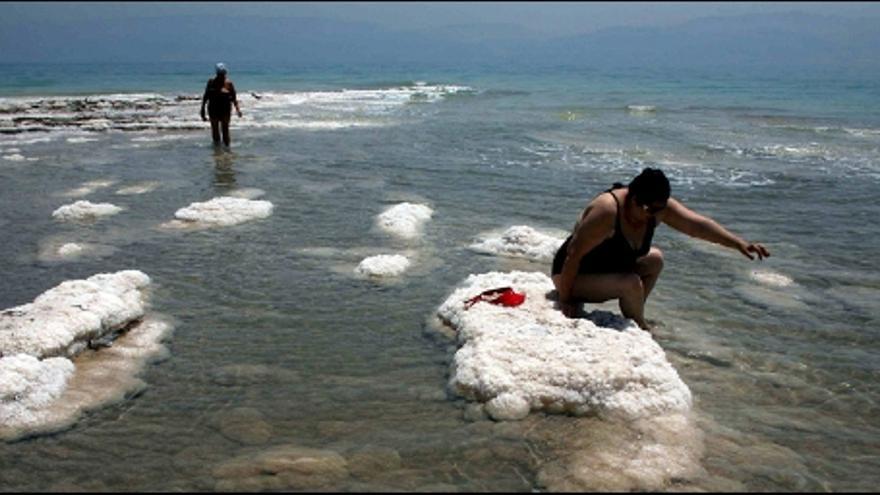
(279, 359)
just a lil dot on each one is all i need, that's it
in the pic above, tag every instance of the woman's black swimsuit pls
(614, 255)
(219, 101)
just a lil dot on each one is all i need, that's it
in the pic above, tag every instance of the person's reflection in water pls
(224, 172)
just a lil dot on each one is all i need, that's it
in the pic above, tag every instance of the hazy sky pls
(561, 18)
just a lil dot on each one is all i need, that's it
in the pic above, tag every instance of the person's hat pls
(220, 68)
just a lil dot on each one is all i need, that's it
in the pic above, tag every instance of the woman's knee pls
(652, 262)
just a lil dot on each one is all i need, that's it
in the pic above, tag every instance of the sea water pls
(279, 340)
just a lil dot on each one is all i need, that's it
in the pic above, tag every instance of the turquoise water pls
(783, 368)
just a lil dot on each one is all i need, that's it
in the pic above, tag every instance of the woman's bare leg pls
(628, 288)
(225, 126)
(215, 131)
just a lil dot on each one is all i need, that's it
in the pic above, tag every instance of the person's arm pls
(205, 99)
(234, 98)
(595, 227)
(685, 220)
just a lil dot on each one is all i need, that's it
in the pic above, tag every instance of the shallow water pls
(272, 324)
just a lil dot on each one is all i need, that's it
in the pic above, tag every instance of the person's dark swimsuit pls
(613, 255)
(219, 101)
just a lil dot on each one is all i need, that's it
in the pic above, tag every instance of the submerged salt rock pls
(224, 211)
(89, 187)
(70, 250)
(521, 241)
(61, 320)
(140, 188)
(771, 278)
(383, 265)
(405, 219)
(85, 209)
(533, 354)
(283, 467)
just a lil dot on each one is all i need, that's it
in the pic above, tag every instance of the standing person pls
(220, 97)
(609, 254)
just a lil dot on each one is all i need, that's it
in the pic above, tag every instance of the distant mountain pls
(783, 40)
(793, 39)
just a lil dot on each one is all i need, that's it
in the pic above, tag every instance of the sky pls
(544, 18)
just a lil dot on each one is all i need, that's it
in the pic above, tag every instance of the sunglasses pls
(652, 209)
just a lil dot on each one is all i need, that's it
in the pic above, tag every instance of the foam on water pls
(520, 241)
(641, 109)
(222, 211)
(531, 357)
(82, 210)
(80, 140)
(404, 219)
(383, 265)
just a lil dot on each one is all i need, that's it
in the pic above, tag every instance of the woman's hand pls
(746, 249)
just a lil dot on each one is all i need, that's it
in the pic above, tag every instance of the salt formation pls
(222, 211)
(405, 219)
(383, 265)
(771, 278)
(532, 357)
(41, 388)
(89, 187)
(142, 188)
(520, 241)
(70, 250)
(85, 209)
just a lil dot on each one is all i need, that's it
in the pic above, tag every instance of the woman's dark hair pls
(650, 186)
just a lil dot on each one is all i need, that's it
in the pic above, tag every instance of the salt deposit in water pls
(141, 188)
(82, 210)
(47, 375)
(69, 250)
(771, 278)
(531, 357)
(404, 219)
(520, 241)
(222, 211)
(88, 188)
(383, 265)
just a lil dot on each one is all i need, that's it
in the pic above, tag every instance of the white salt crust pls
(532, 357)
(520, 241)
(60, 320)
(81, 210)
(47, 377)
(383, 265)
(404, 219)
(70, 250)
(222, 211)
(51, 395)
(770, 278)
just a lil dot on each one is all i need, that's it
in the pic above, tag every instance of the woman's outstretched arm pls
(687, 221)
